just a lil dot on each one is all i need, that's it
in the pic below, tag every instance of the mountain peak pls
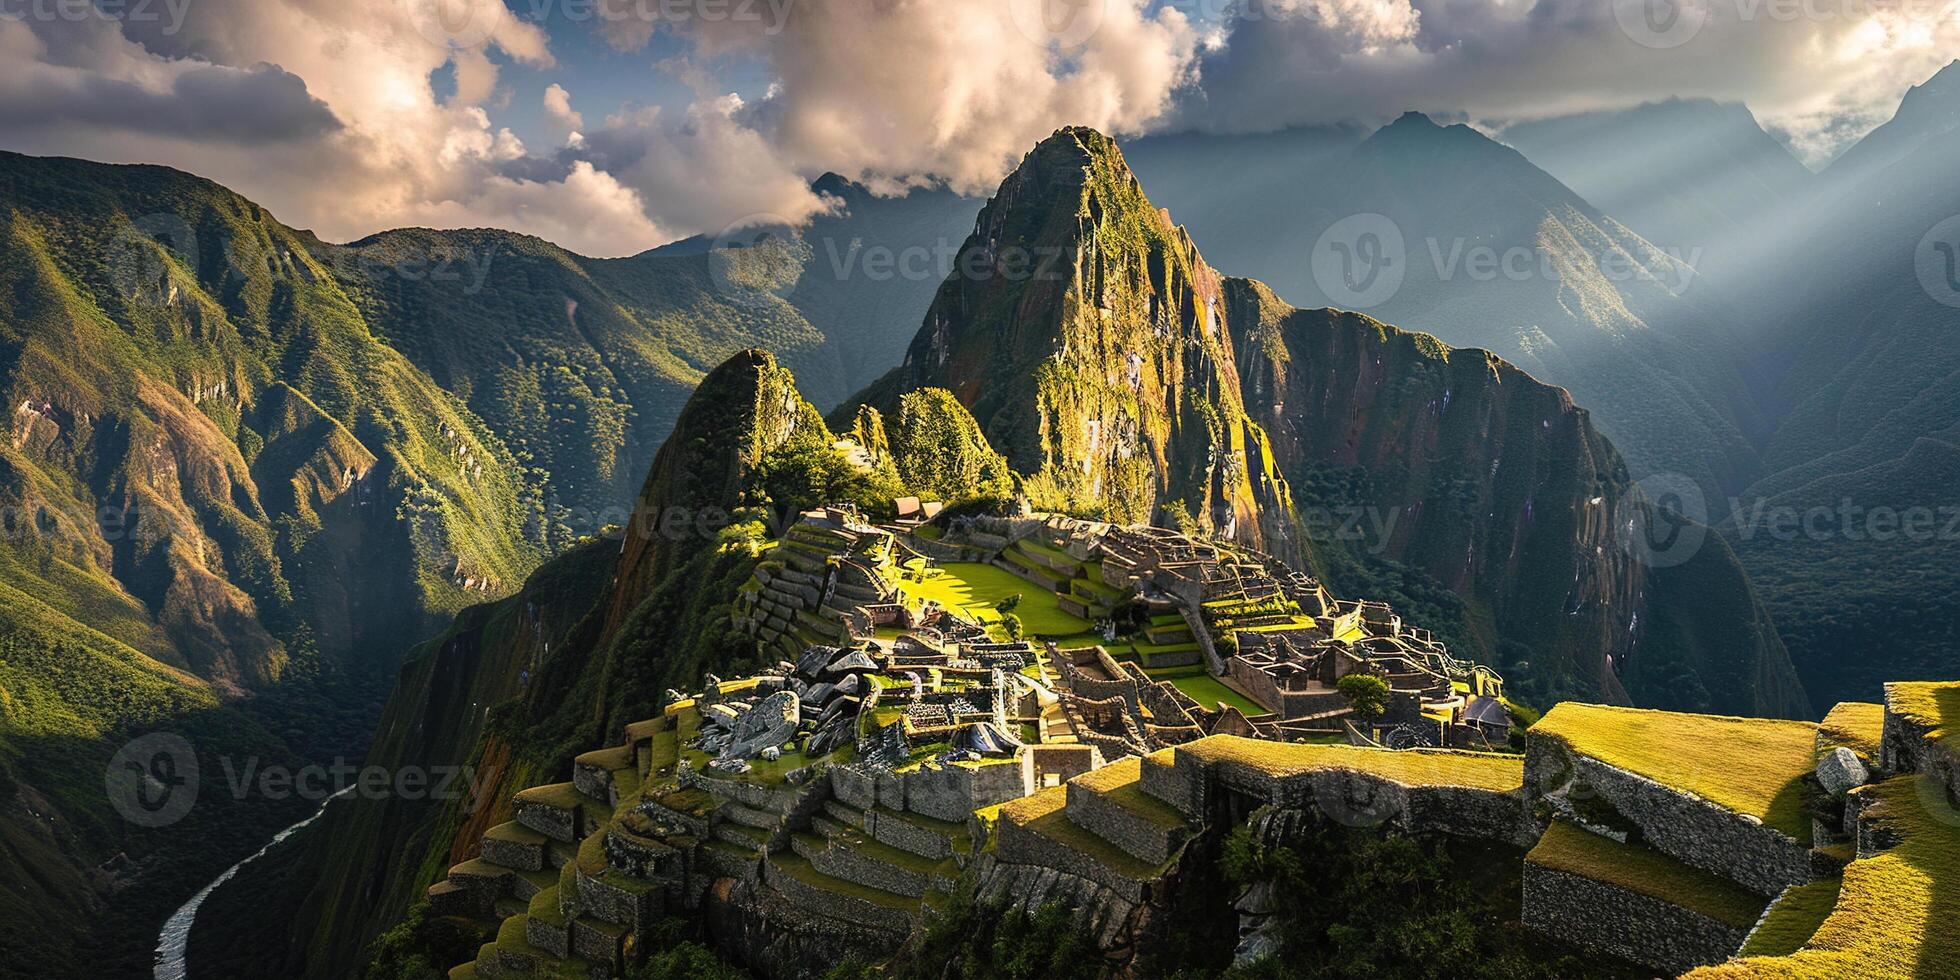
(1087, 337)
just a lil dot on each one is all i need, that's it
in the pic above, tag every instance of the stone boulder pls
(771, 722)
(1840, 771)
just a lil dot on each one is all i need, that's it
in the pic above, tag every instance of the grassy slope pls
(1895, 911)
(1753, 766)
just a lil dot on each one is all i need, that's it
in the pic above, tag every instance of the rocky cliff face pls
(1460, 466)
(1090, 340)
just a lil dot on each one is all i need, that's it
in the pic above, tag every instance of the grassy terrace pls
(1895, 911)
(1933, 706)
(797, 866)
(1043, 813)
(1414, 767)
(1854, 725)
(1753, 766)
(1793, 919)
(1208, 691)
(976, 588)
(1120, 782)
(1647, 872)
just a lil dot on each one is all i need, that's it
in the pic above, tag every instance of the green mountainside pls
(1088, 337)
(217, 482)
(246, 469)
(1852, 531)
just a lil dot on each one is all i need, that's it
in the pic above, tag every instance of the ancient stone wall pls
(1608, 919)
(1683, 826)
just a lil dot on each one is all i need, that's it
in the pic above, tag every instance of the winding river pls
(175, 938)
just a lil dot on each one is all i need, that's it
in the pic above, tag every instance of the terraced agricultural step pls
(751, 817)
(1111, 803)
(593, 772)
(559, 811)
(844, 812)
(1035, 830)
(741, 835)
(921, 835)
(813, 891)
(514, 845)
(514, 955)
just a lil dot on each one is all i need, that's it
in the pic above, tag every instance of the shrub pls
(1367, 693)
(1012, 623)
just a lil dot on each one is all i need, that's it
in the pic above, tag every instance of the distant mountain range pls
(248, 469)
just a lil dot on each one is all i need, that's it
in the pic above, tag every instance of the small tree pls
(1367, 694)
(1007, 605)
(1012, 624)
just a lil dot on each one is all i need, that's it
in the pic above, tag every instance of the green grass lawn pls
(976, 588)
(1208, 691)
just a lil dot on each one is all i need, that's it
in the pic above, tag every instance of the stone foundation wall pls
(1115, 823)
(836, 904)
(1684, 827)
(1907, 747)
(905, 836)
(1019, 845)
(1608, 919)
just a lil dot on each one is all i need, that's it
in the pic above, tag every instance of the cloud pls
(324, 110)
(558, 108)
(1822, 72)
(897, 90)
(587, 211)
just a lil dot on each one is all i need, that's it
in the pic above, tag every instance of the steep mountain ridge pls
(1483, 249)
(1458, 465)
(1680, 173)
(1087, 336)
